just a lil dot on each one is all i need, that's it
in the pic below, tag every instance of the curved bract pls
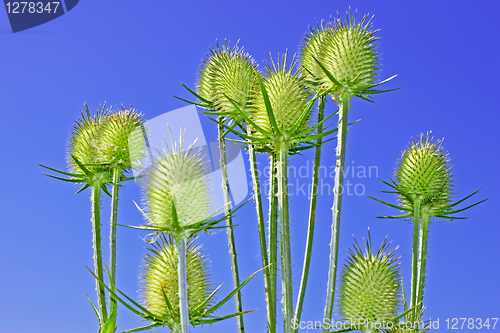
(228, 76)
(177, 184)
(160, 278)
(370, 285)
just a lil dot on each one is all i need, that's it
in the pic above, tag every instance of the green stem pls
(422, 260)
(414, 267)
(271, 308)
(312, 216)
(96, 240)
(180, 244)
(229, 224)
(117, 172)
(284, 225)
(273, 234)
(337, 202)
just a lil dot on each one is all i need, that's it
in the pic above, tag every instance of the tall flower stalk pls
(424, 186)
(340, 60)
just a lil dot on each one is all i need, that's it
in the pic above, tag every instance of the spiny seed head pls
(177, 177)
(228, 73)
(313, 47)
(288, 95)
(84, 141)
(423, 172)
(160, 275)
(115, 137)
(370, 284)
(347, 51)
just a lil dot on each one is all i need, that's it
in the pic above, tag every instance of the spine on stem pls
(180, 244)
(337, 202)
(229, 224)
(312, 215)
(270, 298)
(273, 234)
(96, 239)
(286, 257)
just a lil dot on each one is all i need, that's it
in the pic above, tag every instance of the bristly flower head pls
(346, 50)
(160, 279)
(370, 286)
(178, 190)
(84, 141)
(288, 96)
(423, 173)
(114, 137)
(228, 76)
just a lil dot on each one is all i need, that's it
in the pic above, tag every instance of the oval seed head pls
(312, 48)
(348, 53)
(84, 140)
(160, 275)
(423, 172)
(288, 96)
(114, 137)
(177, 177)
(228, 73)
(370, 284)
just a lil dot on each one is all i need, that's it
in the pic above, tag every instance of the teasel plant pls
(177, 204)
(370, 288)
(340, 60)
(99, 154)
(424, 187)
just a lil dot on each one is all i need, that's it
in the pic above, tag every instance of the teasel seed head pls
(177, 177)
(115, 137)
(160, 275)
(84, 141)
(288, 96)
(312, 48)
(423, 173)
(348, 52)
(370, 286)
(228, 73)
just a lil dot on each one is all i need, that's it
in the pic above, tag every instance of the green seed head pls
(288, 96)
(347, 51)
(114, 137)
(84, 141)
(423, 172)
(160, 275)
(228, 73)
(370, 285)
(313, 48)
(177, 177)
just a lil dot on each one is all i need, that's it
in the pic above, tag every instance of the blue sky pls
(137, 52)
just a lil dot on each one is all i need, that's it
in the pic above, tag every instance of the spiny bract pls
(160, 275)
(228, 73)
(114, 137)
(84, 140)
(288, 96)
(423, 172)
(370, 285)
(347, 51)
(177, 177)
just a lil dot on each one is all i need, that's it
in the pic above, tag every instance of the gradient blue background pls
(137, 52)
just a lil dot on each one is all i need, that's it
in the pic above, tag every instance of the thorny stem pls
(312, 215)
(229, 224)
(284, 224)
(273, 234)
(96, 240)
(337, 202)
(270, 297)
(180, 244)
(112, 236)
(414, 275)
(422, 260)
